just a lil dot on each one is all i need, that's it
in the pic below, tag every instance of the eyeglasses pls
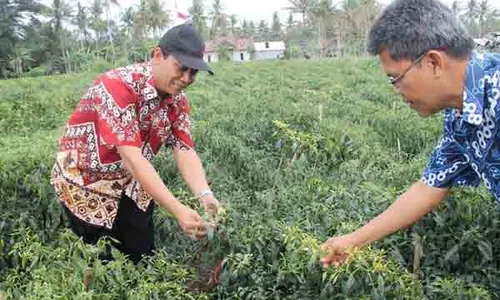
(394, 80)
(183, 69)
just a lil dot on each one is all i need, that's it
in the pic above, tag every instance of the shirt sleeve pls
(117, 122)
(449, 166)
(180, 120)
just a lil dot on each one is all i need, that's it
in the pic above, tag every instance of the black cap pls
(185, 44)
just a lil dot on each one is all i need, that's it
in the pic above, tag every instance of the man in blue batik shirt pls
(429, 58)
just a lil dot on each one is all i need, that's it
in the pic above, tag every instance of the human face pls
(395, 80)
(416, 81)
(170, 76)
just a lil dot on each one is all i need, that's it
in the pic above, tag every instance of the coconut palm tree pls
(19, 60)
(158, 17)
(198, 17)
(81, 21)
(301, 6)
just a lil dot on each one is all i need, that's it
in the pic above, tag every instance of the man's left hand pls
(211, 205)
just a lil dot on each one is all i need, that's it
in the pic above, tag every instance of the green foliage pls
(38, 71)
(224, 52)
(298, 151)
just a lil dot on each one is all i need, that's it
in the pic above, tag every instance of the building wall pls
(269, 46)
(237, 56)
(270, 54)
(214, 57)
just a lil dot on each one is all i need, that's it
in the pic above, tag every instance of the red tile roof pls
(238, 44)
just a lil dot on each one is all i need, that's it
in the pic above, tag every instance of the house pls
(242, 49)
(269, 50)
(236, 49)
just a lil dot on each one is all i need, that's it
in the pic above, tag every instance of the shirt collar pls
(473, 95)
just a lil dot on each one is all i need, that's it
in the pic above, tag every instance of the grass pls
(298, 151)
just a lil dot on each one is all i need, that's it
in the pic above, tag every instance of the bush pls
(298, 151)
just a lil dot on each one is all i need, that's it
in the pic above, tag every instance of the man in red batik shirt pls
(103, 175)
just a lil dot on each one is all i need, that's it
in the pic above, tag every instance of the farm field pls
(298, 151)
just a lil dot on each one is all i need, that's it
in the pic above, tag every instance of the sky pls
(254, 10)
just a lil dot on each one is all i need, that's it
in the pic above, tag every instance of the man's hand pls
(337, 249)
(190, 166)
(412, 205)
(210, 205)
(190, 222)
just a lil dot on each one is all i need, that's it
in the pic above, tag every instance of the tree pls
(108, 21)
(488, 17)
(301, 6)
(482, 13)
(218, 19)
(471, 15)
(245, 28)
(491, 21)
(367, 12)
(127, 18)
(322, 13)
(37, 38)
(19, 60)
(157, 17)
(291, 31)
(82, 23)
(141, 21)
(251, 28)
(12, 28)
(233, 20)
(352, 22)
(264, 33)
(199, 19)
(289, 22)
(276, 31)
(58, 12)
(223, 52)
(96, 23)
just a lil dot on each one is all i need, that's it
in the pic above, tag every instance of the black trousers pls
(133, 228)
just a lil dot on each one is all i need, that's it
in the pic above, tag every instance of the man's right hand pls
(190, 222)
(142, 170)
(409, 208)
(337, 248)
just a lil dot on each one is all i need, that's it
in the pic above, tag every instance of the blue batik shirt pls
(469, 150)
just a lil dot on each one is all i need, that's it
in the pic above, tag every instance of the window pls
(242, 56)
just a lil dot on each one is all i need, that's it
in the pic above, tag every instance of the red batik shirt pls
(121, 108)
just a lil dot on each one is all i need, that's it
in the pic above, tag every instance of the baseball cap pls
(186, 45)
